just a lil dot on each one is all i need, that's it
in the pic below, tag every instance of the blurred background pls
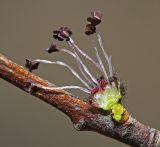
(130, 31)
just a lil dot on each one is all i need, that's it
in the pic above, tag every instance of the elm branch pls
(83, 115)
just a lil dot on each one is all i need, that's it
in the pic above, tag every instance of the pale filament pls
(67, 66)
(83, 65)
(84, 54)
(101, 63)
(79, 62)
(65, 87)
(105, 55)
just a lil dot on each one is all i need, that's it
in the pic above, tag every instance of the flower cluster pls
(106, 92)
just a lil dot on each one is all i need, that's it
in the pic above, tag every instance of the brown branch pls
(83, 115)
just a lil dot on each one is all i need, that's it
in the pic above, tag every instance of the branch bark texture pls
(83, 115)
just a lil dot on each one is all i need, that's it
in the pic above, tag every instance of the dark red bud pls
(103, 83)
(94, 90)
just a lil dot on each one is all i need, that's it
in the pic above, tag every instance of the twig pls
(83, 115)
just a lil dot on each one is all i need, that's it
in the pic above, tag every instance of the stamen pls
(84, 54)
(73, 87)
(110, 68)
(105, 54)
(66, 65)
(101, 63)
(80, 64)
(66, 87)
(83, 65)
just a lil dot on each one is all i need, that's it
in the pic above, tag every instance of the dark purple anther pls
(62, 34)
(52, 48)
(96, 18)
(31, 65)
(90, 29)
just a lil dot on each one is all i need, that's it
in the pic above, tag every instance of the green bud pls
(109, 104)
(117, 109)
(117, 117)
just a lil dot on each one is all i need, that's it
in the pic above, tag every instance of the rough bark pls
(83, 115)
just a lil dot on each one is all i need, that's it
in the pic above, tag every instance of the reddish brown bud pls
(102, 83)
(31, 65)
(94, 90)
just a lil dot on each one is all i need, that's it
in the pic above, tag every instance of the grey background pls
(131, 32)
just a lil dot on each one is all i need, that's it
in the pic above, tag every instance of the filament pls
(83, 65)
(65, 65)
(80, 63)
(105, 54)
(84, 54)
(66, 87)
(110, 68)
(101, 63)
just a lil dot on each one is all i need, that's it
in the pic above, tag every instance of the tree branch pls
(83, 115)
